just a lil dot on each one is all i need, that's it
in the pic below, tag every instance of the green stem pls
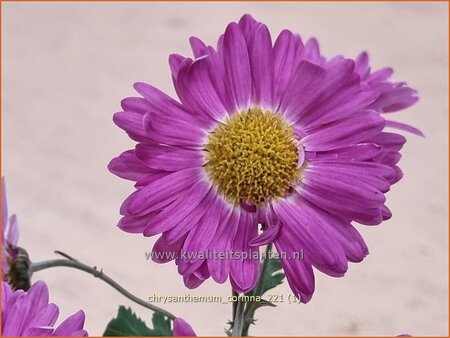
(238, 323)
(75, 264)
(257, 291)
(235, 296)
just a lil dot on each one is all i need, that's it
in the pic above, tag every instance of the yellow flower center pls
(252, 157)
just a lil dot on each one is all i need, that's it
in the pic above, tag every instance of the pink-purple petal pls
(129, 167)
(345, 133)
(237, 66)
(261, 57)
(223, 243)
(179, 210)
(245, 271)
(404, 127)
(72, 326)
(161, 192)
(197, 91)
(167, 158)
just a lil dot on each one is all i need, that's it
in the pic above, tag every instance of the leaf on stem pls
(273, 277)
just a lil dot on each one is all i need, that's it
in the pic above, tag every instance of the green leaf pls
(161, 325)
(274, 275)
(128, 324)
(264, 302)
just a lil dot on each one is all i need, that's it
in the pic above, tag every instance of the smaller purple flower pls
(10, 232)
(16, 265)
(182, 329)
(29, 313)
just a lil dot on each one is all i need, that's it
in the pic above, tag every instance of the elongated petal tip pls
(70, 326)
(268, 236)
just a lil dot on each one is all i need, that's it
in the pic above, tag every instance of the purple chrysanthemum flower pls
(29, 313)
(181, 328)
(270, 134)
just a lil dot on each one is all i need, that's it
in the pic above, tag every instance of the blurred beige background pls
(66, 67)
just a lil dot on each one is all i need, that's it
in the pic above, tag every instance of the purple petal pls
(6, 295)
(346, 101)
(244, 272)
(72, 326)
(186, 267)
(248, 26)
(317, 95)
(197, 46)
(356, 200)
(380, 75)
(285, 61)
(375, 174)
(222, 243)
(38, 331)
(177, 212)
(19, 314)
(131, 122)
(237, 66)
(135, 224)
(348, 237)
(136, 105)
(311, 52)
(38, 294)
(362, 65)
(360, 152)
(404, 127)
(305, 224)
(262, 67)
(161, 192)
(222, 87)
(191, 281)
(12, 235)
(391, 141)
(388, 157)
(395, 97)
(163, 105)
(127, 166)
(182, 228)
(304, 87)
(197, 91)
(202, 234)
(46, 316)
(164, 252)
(166, 158)
(132, 169)
(175, 63)
(266, 237)
(299, 272)
(387, 214)
(345, 133)
(173, 131)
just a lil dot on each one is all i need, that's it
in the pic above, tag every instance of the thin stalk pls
(75, 264)
(257, 291)
(238, 323)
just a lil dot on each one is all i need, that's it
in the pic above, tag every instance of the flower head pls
(10, 232)
(270, 134)
(29, 313)
(181, 328)
(16, 265)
